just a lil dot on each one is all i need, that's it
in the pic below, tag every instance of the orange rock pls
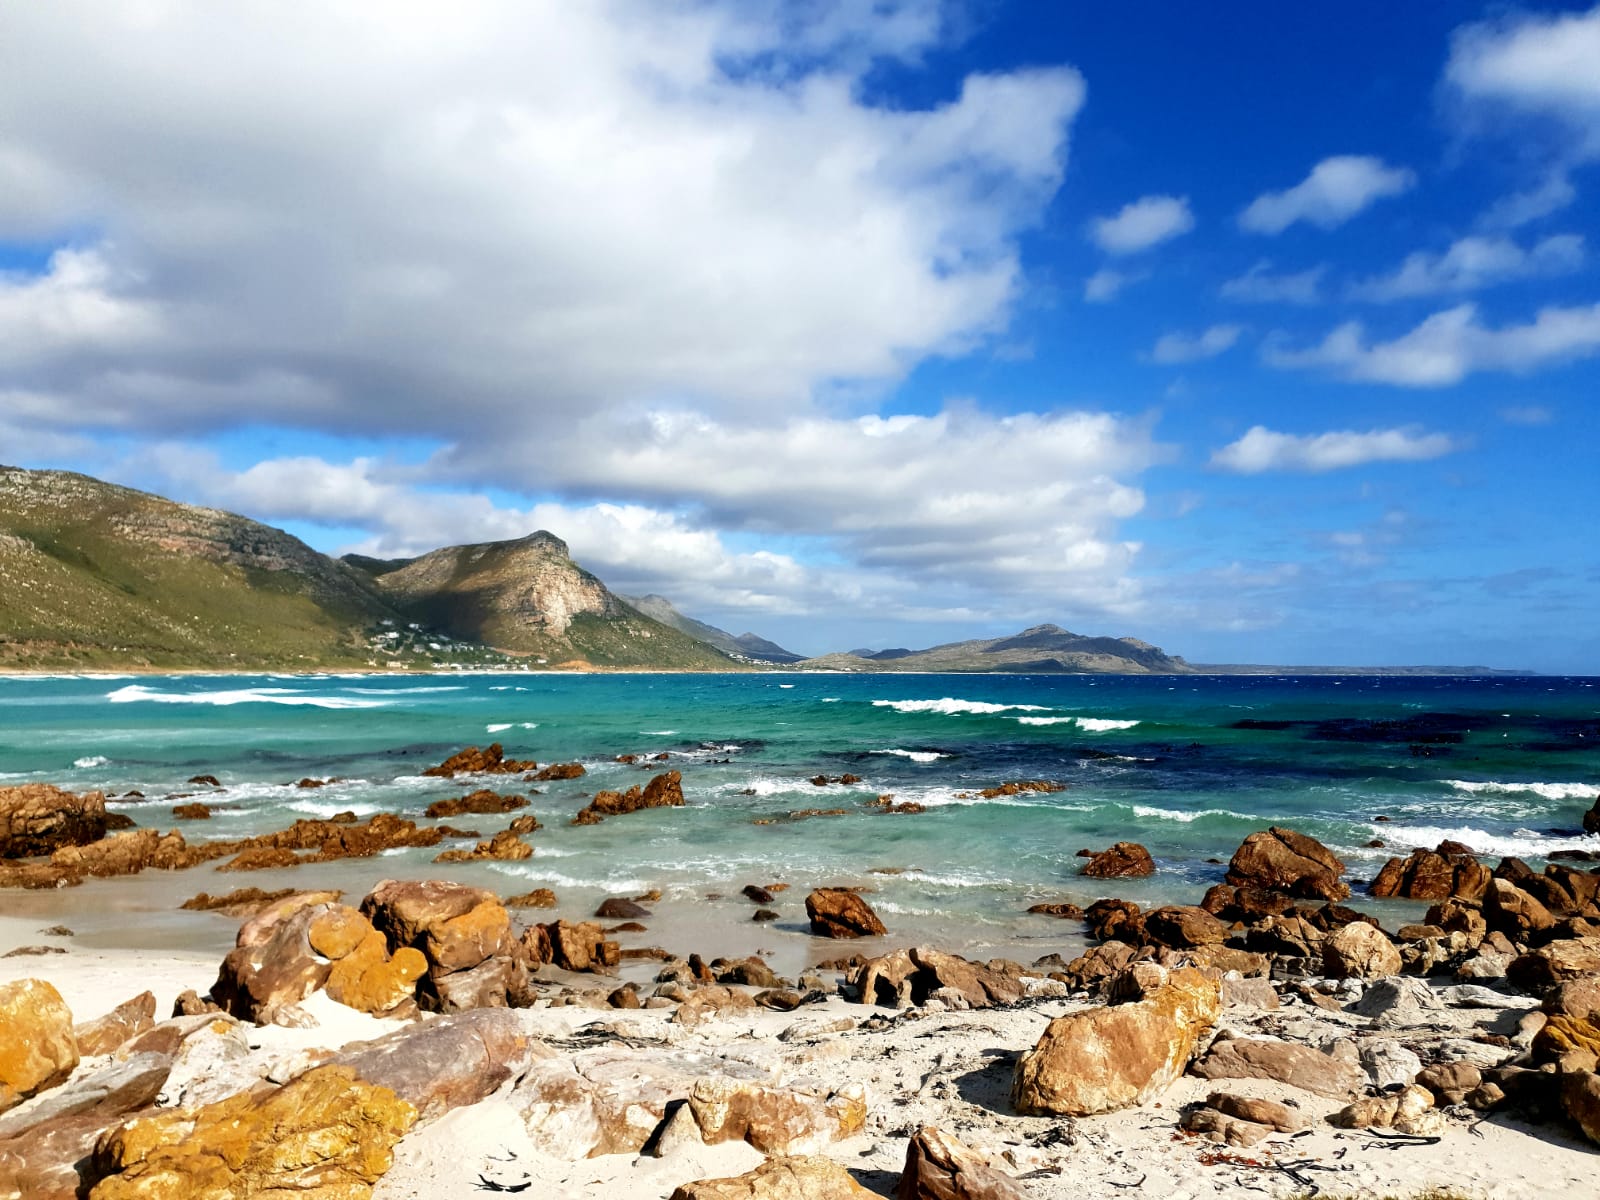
(335, 933)
(128, 1020)
(370, 980)
(37, 1046)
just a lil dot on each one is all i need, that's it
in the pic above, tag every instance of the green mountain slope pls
(1043, 649)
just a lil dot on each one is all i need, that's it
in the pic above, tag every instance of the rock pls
(504, 846)
(581, 946)
(1220, 1127)
(473, 761)
(1578, 997)
(1285, 861)
(37, 1047)
(800, 1178)
(481, 801)
(557, 771)
(938, 1167)
(371, 980)
(1548, 966)
(129, 1019)
(538, 898)
(1108, 1058)
(1399, 1000)
(1183, 926)
(1287, 1062)
(1387, 1062)
(464, 933)
(1439, 874)
(1406, 1112)
(1111, 919)
(775, 1119)
(1020, 786)
(907, 977)
(1260, 1112)
(273, 967)
(1358, 951)
(1450, 1083)
(1122, 860)
(1511, 911)
(192, 812)
(323, 1136)
(663, 791)
(619, 908)
(1249, 992)
(1580, 1097)
(451, 1061)
(836, 913)
(756, 895)
(1062, 909)
(239, 903)
(39, 818)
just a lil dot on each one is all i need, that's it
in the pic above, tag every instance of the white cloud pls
(1144, 223)
(1188, 348)
(1263, 449)
(1542, 64)
(1105, 284)
(1473, 263)
(1450, 345)
(1553, 193)
(1336, 190)
(1259, 285)
(1527, 414)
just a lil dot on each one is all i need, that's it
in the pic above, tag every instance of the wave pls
(90, 762)
(501, 728)
(1519, 843)
(1087, 724)
(950, 706)
(920, 756)
(1549, 791)
(658, 733)
(830, 699)
(497, 728)
(1185, 816)
(137, 692)
(405, 691)
(332, 808)
(786, 686)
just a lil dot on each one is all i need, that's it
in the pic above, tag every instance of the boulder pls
(448, 1062)
(1358, 951)
(620, 908)
(938, 1167)
(801, 1178)
(1580, 1097)
(1122, 860)
(837, 913)
(775, 1119)
(473, 761)
(275, 968)
(39, 818)
(1450, 1083)
(580, 946)
(910, 977)
(558, 771)
(1399, 1000)
(37, 1047)
(1511, 911)
(371, 980)
(323, 1136)
(504, 846)
(464, 933)
(1388, 1063)
(1408, 1111)
(1287, 1062)
(129, 1019)
(481, 801)
(1432, 875)
(1591, 819)
(1285, 861)
(663, 791)
(1270, 1113)
(1113, 1057)
(1553, 964)
(1183, 926)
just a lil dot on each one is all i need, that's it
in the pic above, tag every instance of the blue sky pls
(1264, 334)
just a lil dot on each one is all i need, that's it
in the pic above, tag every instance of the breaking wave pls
(137, 692)
(1549, 791)
(950, 706)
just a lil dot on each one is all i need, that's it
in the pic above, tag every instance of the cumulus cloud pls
(1107, 283)
(1142, 224)
(1473, 263)
(1263, 449)
(1337, 189)
(1188, 348)
(1449, 346)
(1539, 64)
(1259, 285)
(1551, 194)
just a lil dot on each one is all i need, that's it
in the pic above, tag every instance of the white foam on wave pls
(1047, 720)
(332, 808)
(786, 686)
(830, 699)
(406, 691)
(497, 728)
(1186, 816)
(1549, 791)
(1087, 724)
(919, 756)
(90, 762)
(658, 733)
(1519, 843)
(137, 692)
(950, 706)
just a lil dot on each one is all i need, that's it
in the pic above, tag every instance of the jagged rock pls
(1580, 1097)
(129, 1019)
(1108, 1058)
(1358, 951)
(192, 812)
(1287, 1062)
(538, 898)
(836, 913)
(1511, 911)
(1432, 875)
(1182, 926)
(482, 801)
(906, 977)
(239, 903)
(1399, 1000)
(504, 846)
(39, 818)
(663, 791)
(581, 946)
(473, 761)
(454, 1060)
(1387, 1062)
(273, 966)
(938, 1167)
(1065, 910)
(1089, 971)
(556, 771)
(775, 1119)
(323, 1136)
(1119, 920)
(1450, 1083)
(1285, 861)
(1122, 860)
(464, 933)
(1578, 997)
(37, 1047)
(800, 1178)
(1018, 787)
(1544, 968)
(1409, 1111)
(747, 972)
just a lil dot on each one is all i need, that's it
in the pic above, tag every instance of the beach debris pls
(39, 818)
(663, 791)
(838, 913)
(1116, 1056)
(1285, 861)
(1121, 860)
(37, 1046)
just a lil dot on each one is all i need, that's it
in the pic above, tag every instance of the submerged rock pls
(1123, 860)
(663, 791)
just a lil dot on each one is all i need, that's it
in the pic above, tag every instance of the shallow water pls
(1186, 765)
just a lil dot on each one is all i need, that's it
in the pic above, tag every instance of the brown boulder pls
(1580, 1097)
(805, 1177)
(1183, 926)
(1591, 819)
(1287, 1062)
(192, 812)
(1510, 910)
(128, 1020)
(1359, 951)
(1113, 1057)
(277, 967)
(480, 801)
(556, 771)
(663, 791)
(1119, 920)
(938, 1167)
(1432, 875)
(836, 913)
(1124, 859)
(37, 1047)
(473, 761)
(538, 898)
(447, 1062)
(1544, 968)
(772, 1118)
(323, 1135)
(504, 846)
(1285, 861)
(620, 908)
(38, 818)
(581, 946)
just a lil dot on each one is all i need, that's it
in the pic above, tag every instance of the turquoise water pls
(1188, 766)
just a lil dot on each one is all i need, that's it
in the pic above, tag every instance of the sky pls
(1267, 333)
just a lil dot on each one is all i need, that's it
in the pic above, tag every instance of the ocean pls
(1186, 765)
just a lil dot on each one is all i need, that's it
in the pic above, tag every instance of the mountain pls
(1039, 650)
(96, 575)
(745, 645)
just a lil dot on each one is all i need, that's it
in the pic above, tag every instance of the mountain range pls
(94, 575)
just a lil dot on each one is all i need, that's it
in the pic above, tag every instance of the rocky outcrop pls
(129, 1019)
(464, 933)
(481, 801)
(572, 946)
(448, 1062)
(1432, 875)
(837, 913)
(39, 818)
(1359, 951)
(802, 1178)
(663, 791)
(1182, 926)
(774, 1118)
(323, 1136)
(1113, 1057)
(912, 977)
(504, 846)
(37, 1046)
(938, 1167)
(1123, 860)
(1285, 861)
(473, 761)
(1287, 1062)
